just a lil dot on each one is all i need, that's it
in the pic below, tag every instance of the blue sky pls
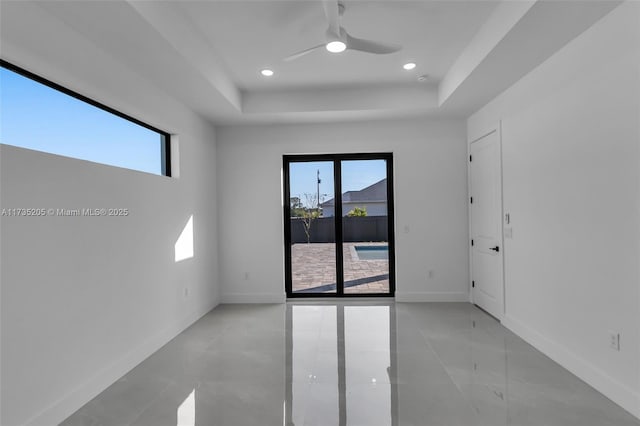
(356, 175)
(38, 117)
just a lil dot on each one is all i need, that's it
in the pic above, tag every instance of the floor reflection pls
(349, 363)
(340, 360)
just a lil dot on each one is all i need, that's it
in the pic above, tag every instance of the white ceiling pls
(208, 54)
(249, 36)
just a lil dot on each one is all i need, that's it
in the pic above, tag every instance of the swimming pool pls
(372, 252)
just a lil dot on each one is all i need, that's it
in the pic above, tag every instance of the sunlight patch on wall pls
(183, 248)
(187, 411)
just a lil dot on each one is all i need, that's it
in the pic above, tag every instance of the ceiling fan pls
(339, 40)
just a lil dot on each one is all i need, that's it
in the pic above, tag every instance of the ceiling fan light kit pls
(336, 46)
(338, 39)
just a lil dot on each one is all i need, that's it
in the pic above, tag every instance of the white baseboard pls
(399, 297)
(432, 296)
(598, 379)
(253, 298)
(71, 402)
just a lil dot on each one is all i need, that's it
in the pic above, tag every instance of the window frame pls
(165, 142)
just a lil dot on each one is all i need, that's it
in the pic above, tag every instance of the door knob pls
(496, 248)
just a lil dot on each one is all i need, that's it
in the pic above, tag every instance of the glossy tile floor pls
(349, 363)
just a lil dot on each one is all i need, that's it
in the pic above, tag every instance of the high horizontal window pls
(38, 114)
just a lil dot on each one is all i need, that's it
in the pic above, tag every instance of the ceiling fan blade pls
(332, 12)
(370, 46)
(302, 53)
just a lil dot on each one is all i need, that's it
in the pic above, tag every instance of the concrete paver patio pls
(314, 269)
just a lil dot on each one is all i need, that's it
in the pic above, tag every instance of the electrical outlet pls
(186, 292)
(246, 276)
(614, 341)
(430, 273)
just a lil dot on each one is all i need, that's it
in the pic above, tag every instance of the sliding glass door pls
(365, 225)
(339, 245)
(313, 249)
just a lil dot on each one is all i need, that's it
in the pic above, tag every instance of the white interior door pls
(485, 171)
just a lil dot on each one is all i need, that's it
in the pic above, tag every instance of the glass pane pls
(38, 117)
(364, 227)
(313, 249)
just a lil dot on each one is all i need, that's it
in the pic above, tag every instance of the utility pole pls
(318, 176)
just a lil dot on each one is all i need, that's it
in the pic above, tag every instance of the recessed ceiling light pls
(336, 46)
(409, 66)
(267, 72)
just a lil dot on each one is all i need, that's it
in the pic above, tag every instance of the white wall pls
(84, 299)
(430, 201)
(571, 134)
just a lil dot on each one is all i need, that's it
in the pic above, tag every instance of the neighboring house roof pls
(376, 193)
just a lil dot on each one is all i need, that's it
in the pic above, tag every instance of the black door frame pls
(337, 182)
